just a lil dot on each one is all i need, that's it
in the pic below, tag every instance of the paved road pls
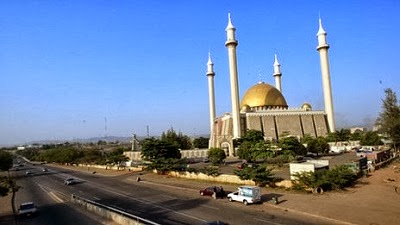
(165, 204)
(54, 207)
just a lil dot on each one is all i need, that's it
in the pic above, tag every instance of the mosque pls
(263, 106)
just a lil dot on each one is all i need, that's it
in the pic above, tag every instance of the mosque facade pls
(263, 106)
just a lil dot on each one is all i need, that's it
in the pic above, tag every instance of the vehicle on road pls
(214, 191)
(70, 181)
(216, 223)
(28, 173)
(45, 169)
(246, 195)
(27, 209)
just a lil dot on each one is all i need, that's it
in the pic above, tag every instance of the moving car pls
(27, 209)
(70, 181)
(214, 191)
(44, 169)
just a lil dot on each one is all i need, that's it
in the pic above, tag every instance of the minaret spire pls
(277, 74)
(231, 44)
(211, 96)
(322, 48)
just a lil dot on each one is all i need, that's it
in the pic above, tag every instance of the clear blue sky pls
(70, 68)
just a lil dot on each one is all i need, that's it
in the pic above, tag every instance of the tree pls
(370, 138)
(180, 140)
(117, 157)
(292, 144)
(389, 118)
(7, 183)
(201, 142)
(356, 136)
(318, 145)
(253, 136)
(6, 161)
(261, 175)
(216, 155)
(156, 149)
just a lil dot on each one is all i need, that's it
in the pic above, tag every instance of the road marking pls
(50, 193)
(96, 198)
(148, 202)
(55, 197)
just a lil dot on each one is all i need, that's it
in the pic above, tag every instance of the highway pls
(159, 203)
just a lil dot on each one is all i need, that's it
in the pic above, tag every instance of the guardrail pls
(111, 213)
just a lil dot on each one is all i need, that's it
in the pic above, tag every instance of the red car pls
(209, 191)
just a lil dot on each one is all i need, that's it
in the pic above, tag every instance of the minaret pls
(322, 48)
(277, 74)
(211, 95)
(231, 44)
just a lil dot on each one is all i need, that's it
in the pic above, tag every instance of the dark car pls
(70, 181)
(214, 191)
(216, 223)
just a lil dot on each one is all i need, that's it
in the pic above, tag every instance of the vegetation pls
(7, 183)
(179, 140)
(337, 178)
(75, 153)
(201, 142)
(318, 145)
(370, 138)
(260, 174)
(162, 155)
(216, 155)
(389, 118)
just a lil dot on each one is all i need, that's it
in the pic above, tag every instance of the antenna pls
(105, 126)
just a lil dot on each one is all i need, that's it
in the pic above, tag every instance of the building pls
(263, 106)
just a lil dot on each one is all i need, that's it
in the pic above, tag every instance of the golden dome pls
(306, 106)
(263, 95)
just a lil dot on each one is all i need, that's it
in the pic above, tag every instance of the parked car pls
(214, 191)
(27, 209)
(246, 195)
(70, 181)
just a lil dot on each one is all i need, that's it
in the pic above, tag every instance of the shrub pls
(337, 178)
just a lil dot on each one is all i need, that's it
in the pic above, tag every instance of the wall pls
(223, 178)
(110, 213)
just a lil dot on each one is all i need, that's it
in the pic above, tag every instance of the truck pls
(246, 195)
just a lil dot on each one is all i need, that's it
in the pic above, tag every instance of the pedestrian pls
(221, 189)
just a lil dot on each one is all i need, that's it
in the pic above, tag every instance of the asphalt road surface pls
(163, 204)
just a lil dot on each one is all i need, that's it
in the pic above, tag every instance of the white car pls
(246, 195)
(27, 209)
(70, 181)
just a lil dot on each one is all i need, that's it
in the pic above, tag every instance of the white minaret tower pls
(277, 74)
(322, 48)
(231, 44)
(211, 95)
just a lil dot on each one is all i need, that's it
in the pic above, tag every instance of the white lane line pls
(149, 202)
(50, 193)
(55, 197)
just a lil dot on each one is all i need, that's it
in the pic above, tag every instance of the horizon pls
(90, 69)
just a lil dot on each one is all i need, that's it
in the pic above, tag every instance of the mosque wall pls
(253, 123)
(321, 125)
(289, 124)
(269, 127)
(308, 125)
